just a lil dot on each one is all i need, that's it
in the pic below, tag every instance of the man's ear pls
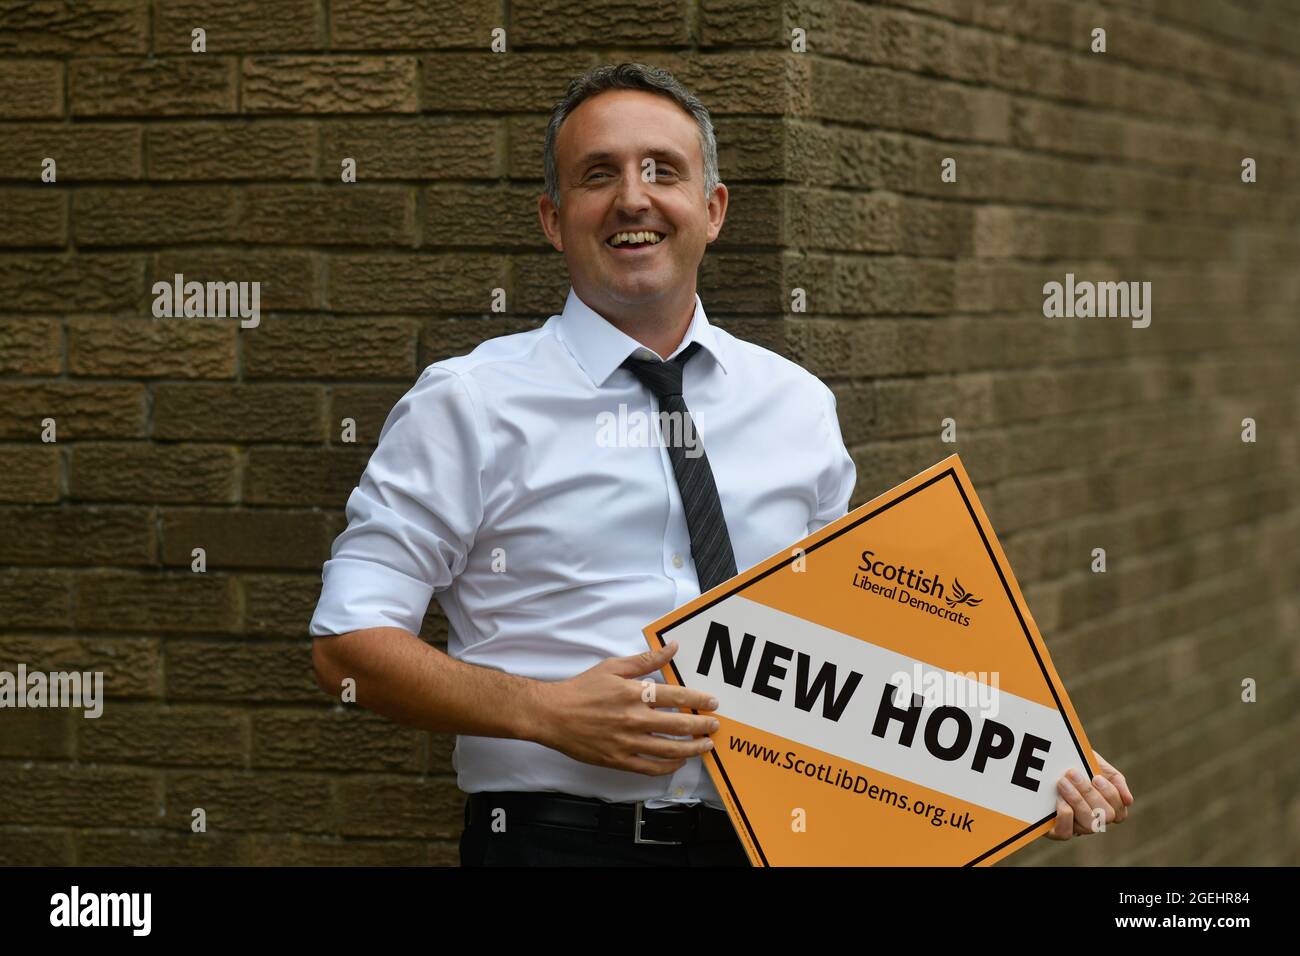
(549, 216)
(717, 211)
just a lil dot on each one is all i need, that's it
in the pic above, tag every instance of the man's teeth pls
(622, 237)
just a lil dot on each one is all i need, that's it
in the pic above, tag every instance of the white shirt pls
(550, 546)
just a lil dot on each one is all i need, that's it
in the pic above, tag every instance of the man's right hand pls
(606, 716)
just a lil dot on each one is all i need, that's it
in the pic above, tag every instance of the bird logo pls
(962, 596)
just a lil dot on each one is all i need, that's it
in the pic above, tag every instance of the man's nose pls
(634, 191)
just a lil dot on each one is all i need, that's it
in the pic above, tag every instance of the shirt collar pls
(600, 347)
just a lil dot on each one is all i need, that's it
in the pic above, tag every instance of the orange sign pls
(885, 696)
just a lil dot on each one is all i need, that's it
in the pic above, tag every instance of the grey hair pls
(630, 76)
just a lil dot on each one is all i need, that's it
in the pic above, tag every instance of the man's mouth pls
(635, 240)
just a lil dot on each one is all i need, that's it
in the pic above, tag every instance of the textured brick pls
(152, 603)
(481, 216)
(389, 806)
(79, 283)
(30, 346)
(279, 605)
(163, 86)
(244, 413)
(554, 23)
(367, 405)
(526, 136)
(25, 846)
(303, 476)
(151, 848)
(411, 24)
(162, 735)
(79, 411)
(345, 214)
(34, 89)
(324, 349)
(140, 472)
(40, 734)
(152, 216)
(248, 801)
(33, 217)
(245, 539)
(35, 598)
(245, 149)
(422, 147)
(85, 152)
(513, 82)
(46, 795)
(443, 338)
(259, 673)
(266, 849)
(106, 26)
(287, 280)
(405, 283)
(540, 284)
(29, 473)
(131, 666)
(329, 84)
(80, 535)
(165, 348)
(351, 739)
(239, 25)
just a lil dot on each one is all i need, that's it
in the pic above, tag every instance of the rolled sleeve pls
(414, 514)
(838, 479)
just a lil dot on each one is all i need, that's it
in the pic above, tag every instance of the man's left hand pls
(1081, 803)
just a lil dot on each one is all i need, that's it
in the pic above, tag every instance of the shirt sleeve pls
(835, 487)
(413, 516)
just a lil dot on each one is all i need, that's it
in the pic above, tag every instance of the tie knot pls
(662, 378)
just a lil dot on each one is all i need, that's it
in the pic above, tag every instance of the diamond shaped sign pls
(885, 695)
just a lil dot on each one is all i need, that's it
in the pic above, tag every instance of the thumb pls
(638, 665)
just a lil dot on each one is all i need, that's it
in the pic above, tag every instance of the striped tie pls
(710, 542)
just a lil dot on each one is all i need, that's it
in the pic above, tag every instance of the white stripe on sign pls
(824, 689)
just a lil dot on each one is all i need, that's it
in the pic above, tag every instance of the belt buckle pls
(636, 833)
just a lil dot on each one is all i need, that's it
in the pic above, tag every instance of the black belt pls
(676, 825)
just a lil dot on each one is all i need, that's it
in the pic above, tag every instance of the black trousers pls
(528, 845)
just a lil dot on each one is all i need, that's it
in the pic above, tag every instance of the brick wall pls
(924, 303)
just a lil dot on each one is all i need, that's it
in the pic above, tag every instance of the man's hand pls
(607, 718)
(1079, 799)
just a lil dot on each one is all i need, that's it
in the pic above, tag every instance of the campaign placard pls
(885, 695)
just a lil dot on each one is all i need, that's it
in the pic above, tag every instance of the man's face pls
(604, 153)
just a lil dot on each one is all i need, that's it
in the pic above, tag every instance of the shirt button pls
(679, 791)
(677, 561)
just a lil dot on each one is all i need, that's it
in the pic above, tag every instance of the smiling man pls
(496, 488)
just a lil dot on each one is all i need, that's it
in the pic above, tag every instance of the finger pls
(1116, 778)
(680, 725)
(1095, 801)
(653, 768)
(637, 665)
(651, 745)
(1113, 797)
(1063, 828)
(671, 695)
(1074, 795)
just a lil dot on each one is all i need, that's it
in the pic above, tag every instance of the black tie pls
(710, 542)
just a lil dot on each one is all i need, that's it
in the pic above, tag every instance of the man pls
(522, 485)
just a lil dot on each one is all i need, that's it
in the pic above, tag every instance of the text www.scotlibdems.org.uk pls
(846, 780)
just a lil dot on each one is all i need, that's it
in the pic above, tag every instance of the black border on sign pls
(950, 472)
